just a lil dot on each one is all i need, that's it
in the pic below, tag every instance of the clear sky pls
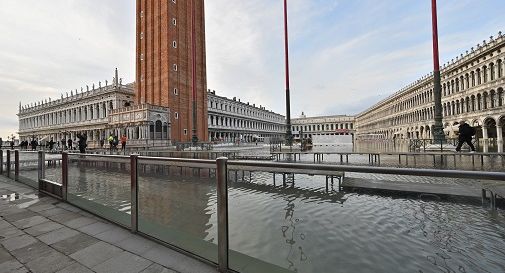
(345, 55)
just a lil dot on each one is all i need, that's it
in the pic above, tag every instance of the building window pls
(176, 115)
(174, 21)
(176, 92)
(175, 67)
(174, 44)
(142, 56)
(185, 132)
(141, 35)
(173, 1)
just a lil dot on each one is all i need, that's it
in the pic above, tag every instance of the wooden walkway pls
(410, 187)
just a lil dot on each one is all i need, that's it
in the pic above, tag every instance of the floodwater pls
(300, 227)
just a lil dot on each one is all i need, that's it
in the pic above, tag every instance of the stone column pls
(484, 135)
(499, 134)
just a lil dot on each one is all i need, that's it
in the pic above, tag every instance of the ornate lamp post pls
(289, 135)
(438, 128)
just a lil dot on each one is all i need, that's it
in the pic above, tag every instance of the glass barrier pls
(177, 205)
(101, 185)
(29, 168)
(376, 223)
(53, 167)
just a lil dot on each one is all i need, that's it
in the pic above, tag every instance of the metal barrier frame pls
(223, 166)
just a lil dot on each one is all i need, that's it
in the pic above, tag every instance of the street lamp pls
(289, 135)
(438, 128)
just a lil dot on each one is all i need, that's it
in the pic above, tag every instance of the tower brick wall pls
(164, 62)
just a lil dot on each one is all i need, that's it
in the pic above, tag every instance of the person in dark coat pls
(1, 143)
(82, 143)
(69, 144)
(465, 136)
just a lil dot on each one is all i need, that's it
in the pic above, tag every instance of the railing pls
(135, 197)
(422, 144)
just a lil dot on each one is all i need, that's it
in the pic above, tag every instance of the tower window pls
(174, 21)
(185, 132)
(174, 44)
(176, 115)
(175, 67)
(176, 92)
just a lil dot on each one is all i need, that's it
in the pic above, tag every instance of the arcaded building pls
(308, 127)
(170, 62)
(472, 90)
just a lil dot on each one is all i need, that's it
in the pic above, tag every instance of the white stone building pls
(472, 90)
(97, 112)
(231, 120)
(323, 125)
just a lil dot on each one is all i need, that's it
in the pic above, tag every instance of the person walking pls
(63, 144)
(111, 142)
(12, 144)
(123, 142)
(70, 142)
(1, 143)
(465, 136)
(51, 145)
(82, 143)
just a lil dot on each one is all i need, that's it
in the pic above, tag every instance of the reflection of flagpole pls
(289, 136)
(438, 133)
(194, 138)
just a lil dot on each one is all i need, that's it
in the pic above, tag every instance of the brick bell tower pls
(171, 66)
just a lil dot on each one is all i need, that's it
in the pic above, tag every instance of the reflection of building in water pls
(472, 90)
(323, 125)
(231, 119)
(97, 111)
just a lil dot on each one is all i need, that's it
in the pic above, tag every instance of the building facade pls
(231, 120)
(472, 91)
(97, 112)
(170, 62)
(307, 127)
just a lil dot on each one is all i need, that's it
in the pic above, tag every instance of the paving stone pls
(52, 212)
(136, 244)
(177, 261)
(30, 222)
(126, 262)
(96, 228)
(9, 232)
(23, 200)
(57, 235)
(19, 216)
(68, 207)
(12, 266)
(18, 242)
(49, 262)
(114, 235)
(41, 207)
(79, 222)
(43, 228)
(11, 211)
(74, 244)
(75, 268)
(64, 217)
(96, 254)
(4, 255)
(156, 268)
(29, 253)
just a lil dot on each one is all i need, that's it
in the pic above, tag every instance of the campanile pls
(170, 62)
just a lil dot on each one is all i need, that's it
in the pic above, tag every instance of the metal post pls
(42, 165)
(194, 138)
(64, 175)
(438, 128)
(1, 161)
(222, 213)
(8, 165)
(16, 165)
(134, 192)
(289, 136)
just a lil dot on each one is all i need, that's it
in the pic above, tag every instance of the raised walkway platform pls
(41, 234)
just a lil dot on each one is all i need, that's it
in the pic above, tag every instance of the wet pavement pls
(41, 234)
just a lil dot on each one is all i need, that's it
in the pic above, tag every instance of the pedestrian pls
(12, 144)
(63, 144)
(102, 142)
(82, 143)
(465, 136)
(116, 142)
(123, 142)
(70, 142)
(111, 141)
(1, 143)
(51, 144)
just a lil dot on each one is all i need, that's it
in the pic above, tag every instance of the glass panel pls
(53, 167)
(177, 205)
(298, 224)
(101, 185)
(29, 168)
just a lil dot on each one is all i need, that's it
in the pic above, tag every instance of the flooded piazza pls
(295, 228)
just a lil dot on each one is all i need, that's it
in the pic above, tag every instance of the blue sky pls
(345, 55)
